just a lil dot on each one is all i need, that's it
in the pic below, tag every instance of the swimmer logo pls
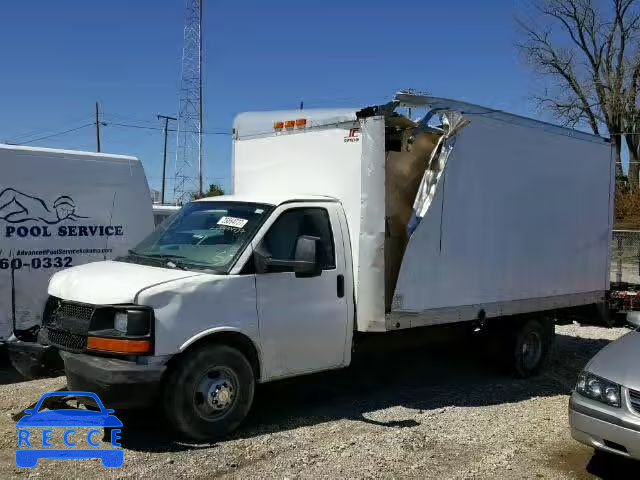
(35, 430)
(18, 207)
(28, 216)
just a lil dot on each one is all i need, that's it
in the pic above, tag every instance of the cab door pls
(303, 320)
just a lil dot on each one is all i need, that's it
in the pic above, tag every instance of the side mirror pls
(633, 318)
(306, 260)
(304, 264)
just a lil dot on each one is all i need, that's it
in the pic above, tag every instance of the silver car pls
(604, 410)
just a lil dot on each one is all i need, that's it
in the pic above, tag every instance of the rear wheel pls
(529, 346)
(209, 392)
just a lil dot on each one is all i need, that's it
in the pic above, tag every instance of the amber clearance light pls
(118, 345)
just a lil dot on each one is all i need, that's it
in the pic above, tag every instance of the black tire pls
(185, 404)
(529, 346)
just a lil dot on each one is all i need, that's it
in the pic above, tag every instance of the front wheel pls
(209, 392)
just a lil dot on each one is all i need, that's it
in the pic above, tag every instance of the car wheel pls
(530, 346)
(209, 392)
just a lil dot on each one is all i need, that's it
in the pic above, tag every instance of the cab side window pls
(280, 240)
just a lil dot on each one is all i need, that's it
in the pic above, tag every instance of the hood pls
(110, 282)
(619, 361)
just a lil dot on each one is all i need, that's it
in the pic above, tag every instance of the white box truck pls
(58, 209)
(342, 222)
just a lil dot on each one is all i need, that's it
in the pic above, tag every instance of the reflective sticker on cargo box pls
(232, 222)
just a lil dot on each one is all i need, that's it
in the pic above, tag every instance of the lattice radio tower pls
(188, 167)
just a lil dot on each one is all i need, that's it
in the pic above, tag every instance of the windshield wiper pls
(170, 259)
(162, 255)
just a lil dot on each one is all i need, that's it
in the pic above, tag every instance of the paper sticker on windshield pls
(233, 222)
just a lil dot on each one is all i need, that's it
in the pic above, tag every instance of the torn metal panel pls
(453, 122)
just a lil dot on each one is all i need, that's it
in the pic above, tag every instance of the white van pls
(58, 209)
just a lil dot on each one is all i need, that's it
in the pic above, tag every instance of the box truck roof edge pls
(258, 123)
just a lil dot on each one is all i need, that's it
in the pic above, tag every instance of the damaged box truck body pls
(467, 213)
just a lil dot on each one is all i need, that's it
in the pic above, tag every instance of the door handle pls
(340, 286)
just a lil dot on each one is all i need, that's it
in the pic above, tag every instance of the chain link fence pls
(625, 256)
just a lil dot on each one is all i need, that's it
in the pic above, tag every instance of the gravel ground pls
(410, 407)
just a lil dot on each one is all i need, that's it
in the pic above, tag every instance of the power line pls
(127, 118)
(57, 134)
(145, 127)
(42, 131)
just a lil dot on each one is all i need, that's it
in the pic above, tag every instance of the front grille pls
(66, 324)
(75, 310)
(634, 398)
(63, 315)
(65, 340)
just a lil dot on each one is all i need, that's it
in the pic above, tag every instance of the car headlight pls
(597, 388)
(120, 321)
(132, 322)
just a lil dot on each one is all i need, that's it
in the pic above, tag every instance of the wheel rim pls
(531, 350)
(215, 393)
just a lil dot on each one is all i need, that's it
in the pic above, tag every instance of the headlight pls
(120, 321)
(132, 322)
(600, 389)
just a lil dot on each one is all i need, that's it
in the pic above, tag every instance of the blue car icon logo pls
(36, 424)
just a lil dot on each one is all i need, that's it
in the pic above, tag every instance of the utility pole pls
(164, 156)
(97, 127)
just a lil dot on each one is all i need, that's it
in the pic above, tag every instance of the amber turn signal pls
(118, 345)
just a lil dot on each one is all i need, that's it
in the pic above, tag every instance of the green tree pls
(215, 190)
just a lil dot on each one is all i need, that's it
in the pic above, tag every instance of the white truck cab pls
(403, 223)
(271, 276)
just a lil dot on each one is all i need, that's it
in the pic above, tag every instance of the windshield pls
(202, 235)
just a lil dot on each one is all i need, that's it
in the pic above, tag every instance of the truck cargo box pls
(464, 212)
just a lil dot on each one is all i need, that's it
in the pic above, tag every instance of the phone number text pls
(35, 263)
